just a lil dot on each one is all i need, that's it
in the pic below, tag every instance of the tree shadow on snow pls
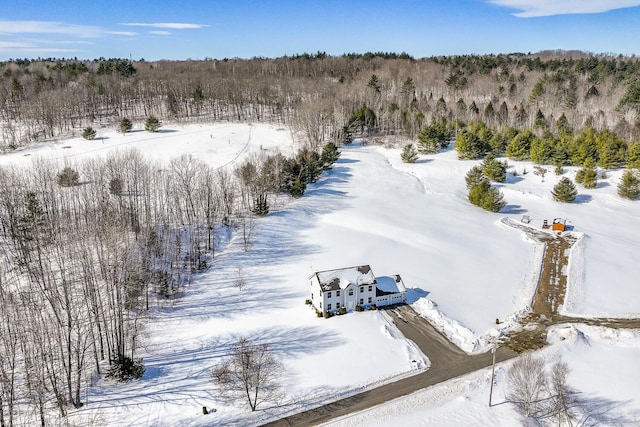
(601, 411)
(513, 209)
(583, 198)
(512, 179)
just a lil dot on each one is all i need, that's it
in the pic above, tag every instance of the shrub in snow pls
(123, 368)
(152, 124)
(68, 177)
(125, 125)
(409, 154)
(89, 133)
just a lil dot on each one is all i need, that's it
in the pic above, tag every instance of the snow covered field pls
(464, 267)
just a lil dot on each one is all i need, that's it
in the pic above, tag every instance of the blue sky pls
(163, 29)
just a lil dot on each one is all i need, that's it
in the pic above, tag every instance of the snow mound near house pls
(454, 331)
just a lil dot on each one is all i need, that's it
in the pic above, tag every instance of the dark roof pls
(330, 280)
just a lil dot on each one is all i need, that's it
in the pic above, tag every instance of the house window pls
(328, 294)
(369, 300)
(338, 306)
(361, 288)
(350, 292)
(328, 306)
(320, 306)
(370, 289)
(311, 296)
(361, 301)
(337, 293)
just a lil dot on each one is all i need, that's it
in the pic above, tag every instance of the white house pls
(354, 286)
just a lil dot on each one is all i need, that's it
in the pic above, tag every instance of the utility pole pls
(493, 369)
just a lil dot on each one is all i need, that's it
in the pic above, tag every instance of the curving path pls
(447, 360)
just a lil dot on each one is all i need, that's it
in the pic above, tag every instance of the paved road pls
(447, 361)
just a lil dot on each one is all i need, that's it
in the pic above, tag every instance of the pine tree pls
(261, 207)
(486, 197)
(409, 154)
(588, 175)
(434, 137)
(519, 147)
(564, 191)
(152, 124)
(494, 170)
(474, 177)
(330, 155)
(125, 125)
(634, 155)
(89, 133)
(629, 186)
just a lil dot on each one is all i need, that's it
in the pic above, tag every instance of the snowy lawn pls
(462, 266)
(597, 357)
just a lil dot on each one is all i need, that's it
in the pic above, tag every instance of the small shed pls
(559, 224)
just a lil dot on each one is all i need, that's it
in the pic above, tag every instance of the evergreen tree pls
(409, 154)
(32, 223)
(474, 177)
(542, 149)
(261, 207)
(374, 83)
(588, 175)
(612, 150)
(629, 186)
(434, 137)
(470, 145)
(89, 133)
(564, 191)
(520, 146)
(486, 197)
(152, 124)
(125, 125)
(330, 155)
(494, 170)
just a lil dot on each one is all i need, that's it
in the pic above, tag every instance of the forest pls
(87, 249)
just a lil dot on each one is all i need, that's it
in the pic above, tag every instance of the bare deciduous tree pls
(250, 374)
(527, 382)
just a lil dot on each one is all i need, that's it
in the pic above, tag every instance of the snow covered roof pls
(339, 279)
(390, 285)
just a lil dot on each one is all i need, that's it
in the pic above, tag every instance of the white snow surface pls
(603, 373)
(462, 266)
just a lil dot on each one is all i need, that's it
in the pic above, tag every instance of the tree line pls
(380, 93)
(87, 249)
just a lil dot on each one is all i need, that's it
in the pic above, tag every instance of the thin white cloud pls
(22, 47)
(122, 33)
(49, 27)
(171, 25)
(160, 33)
(537, 8)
